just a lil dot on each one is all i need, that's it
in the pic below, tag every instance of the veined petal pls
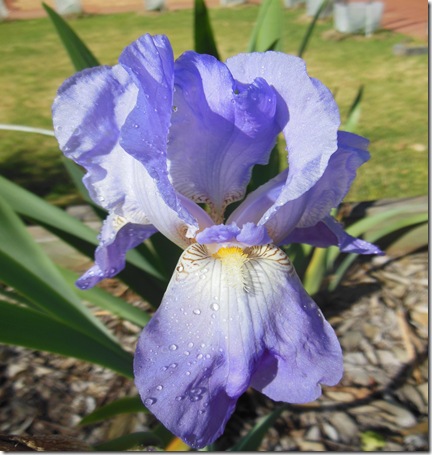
(313, 205)
(144, 135)
(87, 114)
(220, 129)
(329, 232)
(310, 128)
(218, 322)
(116, 238)
(302, 350)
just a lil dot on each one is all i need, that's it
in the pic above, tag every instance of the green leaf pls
(150, 284)
(204, 41)
(27, 269)
(79, 53)
(253, 439)
(408, 221)
(107, 301)
(25, 327)
(267, 32)
(316, 271)
(129, 441)
(126, 405)
(354, 112)
(311, 28)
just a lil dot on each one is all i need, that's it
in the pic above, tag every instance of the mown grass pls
(394, 107)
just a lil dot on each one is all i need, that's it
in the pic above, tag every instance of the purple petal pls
(219, 234)
(316, 203)
(87, 113)
(150, 63)
(116, 238)
(222, 316)
(220, 129)
(302, 348)
(329, 232)
(249, 234)
(310, 128)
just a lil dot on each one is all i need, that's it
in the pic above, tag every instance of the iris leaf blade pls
(311, 28)
(109, 302)
(27, 269)
(267, 33)
(79, 53)
(253, 439)
(144, 438)
(204, 41)
(126, 405)
(22, 326)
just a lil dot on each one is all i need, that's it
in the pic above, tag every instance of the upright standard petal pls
(306, 111)
(316, 203)
(220, 130)
(226, 316)
(144, 135)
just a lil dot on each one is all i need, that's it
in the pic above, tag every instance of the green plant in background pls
(40, 297)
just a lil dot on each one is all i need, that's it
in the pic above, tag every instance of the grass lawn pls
(394, 108)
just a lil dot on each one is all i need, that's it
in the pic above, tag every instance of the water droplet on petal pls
(173, 347)
(199, 356)
(180, 268)
(149, 401)
(214, 306)
(159, 387)
(180, 398)
(186, 353)
(197, 311)
(188, 373)
(190, 345)
(173, 365)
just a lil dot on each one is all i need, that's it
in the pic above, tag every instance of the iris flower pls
(158, 137)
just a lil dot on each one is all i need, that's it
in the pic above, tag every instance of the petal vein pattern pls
(225, 315)
(234, 128)
(306, 111)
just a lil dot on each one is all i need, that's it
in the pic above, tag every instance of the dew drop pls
(175, 108)
(180, 268)
(164, 368)
(159, 387)
(173, 365)
(197, 311)
(188, 373)
(199, 356)
(213, 316)
(201, 411)
(180, 398)
(214, 306)
(190, 345)
(149, 401)
(195, 398)
(186, 353)
(173, 347)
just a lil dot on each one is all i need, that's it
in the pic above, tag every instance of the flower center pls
(233, 258)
